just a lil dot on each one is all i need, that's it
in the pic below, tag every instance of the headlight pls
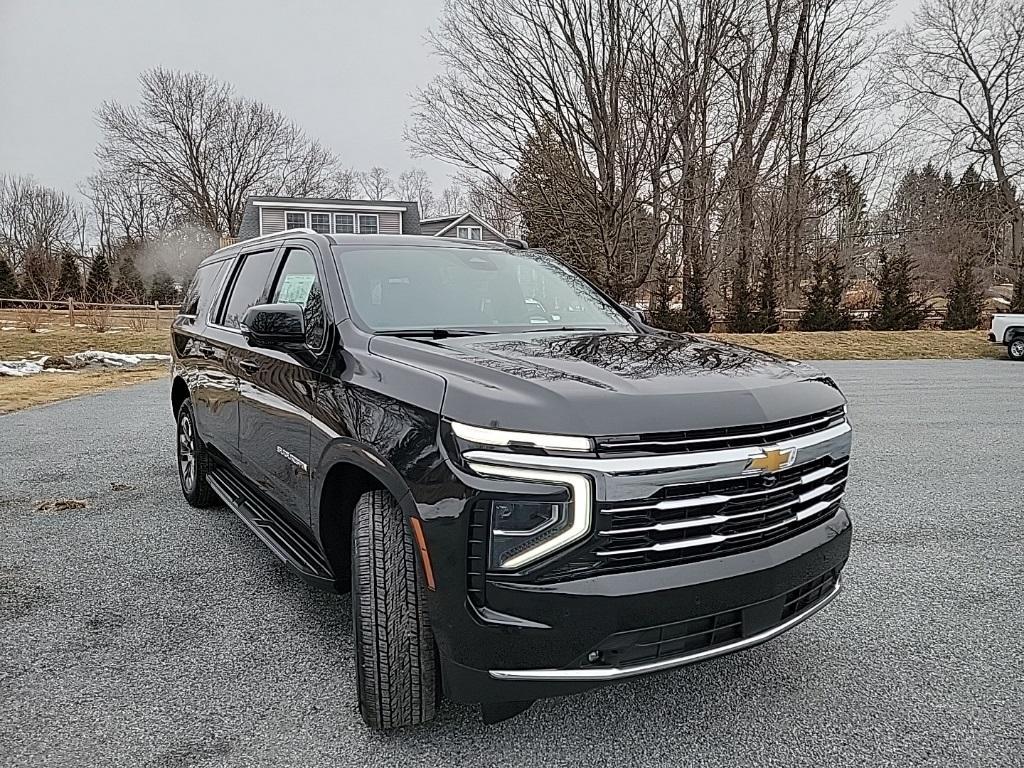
(502, 437)
(524, 531)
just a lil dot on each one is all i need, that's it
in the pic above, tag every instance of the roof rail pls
(286, 232)
(515, 242)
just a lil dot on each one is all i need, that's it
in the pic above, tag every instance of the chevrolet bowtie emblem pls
(772, 460)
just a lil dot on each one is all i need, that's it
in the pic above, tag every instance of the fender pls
(343, 450)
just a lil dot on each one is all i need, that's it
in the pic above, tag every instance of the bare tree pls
(376, 183)
(207, 149)
(415, 185)
(345, 184)
(588, 74)
(38, 225)
(959, 70)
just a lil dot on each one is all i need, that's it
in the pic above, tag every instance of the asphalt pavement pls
(137, 631)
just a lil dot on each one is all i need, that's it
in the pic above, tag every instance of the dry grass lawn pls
(64, 340)
(17, 392)
(870, 345)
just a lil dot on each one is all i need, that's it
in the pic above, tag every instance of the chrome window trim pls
(616, 466)
(618, 673)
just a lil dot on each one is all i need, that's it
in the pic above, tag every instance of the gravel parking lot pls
(139, 632)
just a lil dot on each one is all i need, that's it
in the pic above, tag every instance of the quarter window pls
(320, 222)
(298, 284)
(247, 287)
(344, 223)
(368, 224)
(471, 233)
(295, 220)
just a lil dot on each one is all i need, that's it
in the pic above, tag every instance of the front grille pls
(698, 521)
(716, 439)
(682, 638)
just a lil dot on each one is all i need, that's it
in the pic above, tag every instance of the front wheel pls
(193, 461)
(1015, 349)
(394, 643)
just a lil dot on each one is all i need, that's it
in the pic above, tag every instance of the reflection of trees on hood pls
(642, 357)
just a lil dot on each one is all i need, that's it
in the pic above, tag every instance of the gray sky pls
(344, 70)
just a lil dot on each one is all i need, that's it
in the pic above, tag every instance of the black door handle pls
(249, 365)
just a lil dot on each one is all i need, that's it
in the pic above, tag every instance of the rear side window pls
(200, 289)
(247, 287)
(298, 284)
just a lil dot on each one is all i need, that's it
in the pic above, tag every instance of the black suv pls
(527, 490)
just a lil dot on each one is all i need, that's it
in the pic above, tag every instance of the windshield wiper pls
(433, 333)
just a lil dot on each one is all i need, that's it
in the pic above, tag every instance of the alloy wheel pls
(187, 453)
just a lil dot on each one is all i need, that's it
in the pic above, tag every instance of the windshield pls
(401, 288)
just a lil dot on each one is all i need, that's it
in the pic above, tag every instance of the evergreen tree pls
(825, 310)
(99, 286)
(963, 297)
(8, 280)
(741, 314)
(69, 285)
(897, 309)
(162, 290)
(695, 299)
(835, 291)
(130, 288)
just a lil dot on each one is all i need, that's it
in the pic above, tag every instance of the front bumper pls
(540, 640)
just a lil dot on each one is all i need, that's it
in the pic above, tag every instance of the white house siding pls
(273, 220)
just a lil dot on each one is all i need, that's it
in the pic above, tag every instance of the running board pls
(274, 530)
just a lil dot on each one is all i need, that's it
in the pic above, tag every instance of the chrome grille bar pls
(666, 546)
(696, 522)
(722, 438)
(717, 498)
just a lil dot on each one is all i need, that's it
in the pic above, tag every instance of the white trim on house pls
(469, 232)
(260, 212)
(463, 217)
(291, 205)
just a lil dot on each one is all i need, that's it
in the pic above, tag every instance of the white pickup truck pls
(1008, 330)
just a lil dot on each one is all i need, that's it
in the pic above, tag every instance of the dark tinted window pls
(201, 288)
(247, 287)
(298, 284)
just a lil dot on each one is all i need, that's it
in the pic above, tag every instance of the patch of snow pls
(19, 367)
(8, 328)
(77, 361)
(111, 359)
(44, 330)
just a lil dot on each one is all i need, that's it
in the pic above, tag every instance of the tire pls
(193, 460)
(395, 655)
(1015, 349)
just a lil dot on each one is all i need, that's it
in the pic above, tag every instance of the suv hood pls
(609, 383)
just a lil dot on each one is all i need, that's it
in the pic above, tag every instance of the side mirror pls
(274, 326)
(636, 314)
